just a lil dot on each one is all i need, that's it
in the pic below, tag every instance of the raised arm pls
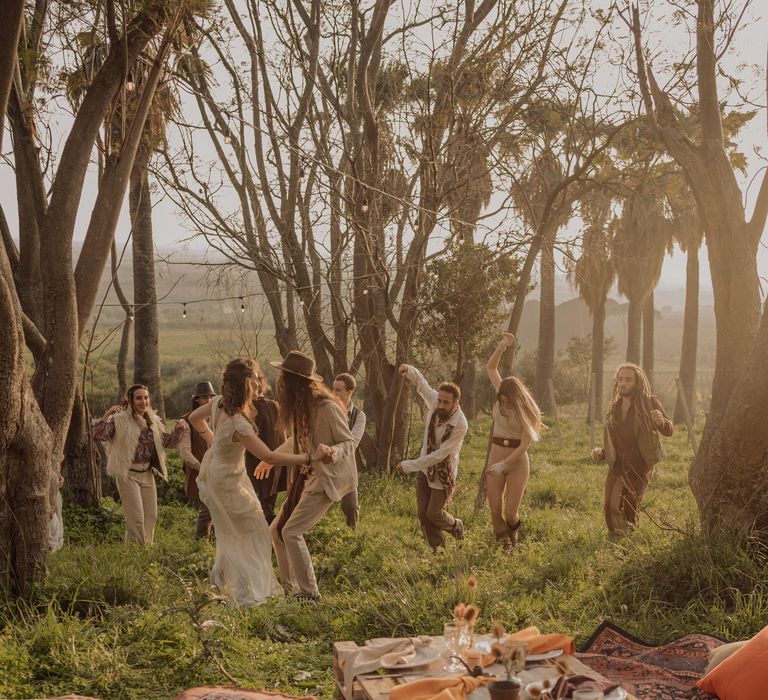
(197, 420)
(492, 366)
(427, 393)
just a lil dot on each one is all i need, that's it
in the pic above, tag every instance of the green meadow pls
(117, 621)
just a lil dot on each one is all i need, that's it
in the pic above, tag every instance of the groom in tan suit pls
(314, 416)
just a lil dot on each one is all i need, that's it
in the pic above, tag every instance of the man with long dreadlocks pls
(631, 445)
(438, 464)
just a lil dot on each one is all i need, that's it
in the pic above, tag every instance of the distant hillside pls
(572, 319)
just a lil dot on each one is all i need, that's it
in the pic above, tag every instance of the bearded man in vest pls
(192, 447)
(632, 446)
(437, 466)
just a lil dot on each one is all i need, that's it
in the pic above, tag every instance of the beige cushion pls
(720, 654)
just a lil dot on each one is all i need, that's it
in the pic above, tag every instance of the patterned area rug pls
(667, 672)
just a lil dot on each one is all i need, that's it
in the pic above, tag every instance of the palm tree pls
(593, 275)
(638, 250)
(531, 195)
(689, 234)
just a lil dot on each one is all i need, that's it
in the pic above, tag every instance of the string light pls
(184, 311)
(364, 208)
(129, 84)
(365, 292)
(130, 313)
(242, 306)
(301, 176)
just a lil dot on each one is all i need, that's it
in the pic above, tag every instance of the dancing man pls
(343, 387)
(192, 449)
(631, 445)
(438, 464)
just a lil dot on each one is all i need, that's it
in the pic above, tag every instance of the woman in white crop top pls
(516, 423)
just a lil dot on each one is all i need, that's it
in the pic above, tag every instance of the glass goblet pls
(452, 636)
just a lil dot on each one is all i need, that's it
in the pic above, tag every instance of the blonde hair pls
(641, 399)
(523, 404)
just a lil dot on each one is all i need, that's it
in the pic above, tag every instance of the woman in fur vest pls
(137, 440)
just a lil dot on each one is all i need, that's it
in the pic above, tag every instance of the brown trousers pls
(430, 506)
(625, 487)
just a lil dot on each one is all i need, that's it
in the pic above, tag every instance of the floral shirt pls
(104, 430)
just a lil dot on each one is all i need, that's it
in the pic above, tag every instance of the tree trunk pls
(26, 454)
(146, 336)
(81, 467)
(467, 385)
(690, 336)
(648, 339)
(598, 351)
(11, 17)
(634, 328)
(735, 497)
(521, 294)
(125, 335)
(545, 356)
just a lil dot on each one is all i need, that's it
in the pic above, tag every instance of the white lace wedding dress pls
(243, 567)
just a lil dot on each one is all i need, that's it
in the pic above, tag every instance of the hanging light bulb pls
(184, 311)
(130, 313)
(129, 84)
(242, 306)
(365, 292)
(364, 208)
(301, 176)
(227, 140)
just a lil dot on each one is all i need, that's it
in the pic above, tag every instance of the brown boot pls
(512, 532)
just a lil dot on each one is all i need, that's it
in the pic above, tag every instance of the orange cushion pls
(743, 675)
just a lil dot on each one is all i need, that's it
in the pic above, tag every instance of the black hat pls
(203, 389)
(297, 362)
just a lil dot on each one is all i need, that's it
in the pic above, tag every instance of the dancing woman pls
(516, 423)
(243, 566)
(314, 416)
(138, 441)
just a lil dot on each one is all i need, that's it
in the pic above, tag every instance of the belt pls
(505, 442)
(141, 464)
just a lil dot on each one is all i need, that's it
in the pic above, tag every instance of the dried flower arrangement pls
(509, 653)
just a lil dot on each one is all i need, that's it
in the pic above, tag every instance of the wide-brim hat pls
(203, 389)
(297, 362)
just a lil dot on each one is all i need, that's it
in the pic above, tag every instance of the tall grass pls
(118, 621)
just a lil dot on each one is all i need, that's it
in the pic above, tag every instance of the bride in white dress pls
(243, 567)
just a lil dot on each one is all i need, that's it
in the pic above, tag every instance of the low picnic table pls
(377, 684)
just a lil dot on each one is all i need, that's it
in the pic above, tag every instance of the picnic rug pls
(666, 672)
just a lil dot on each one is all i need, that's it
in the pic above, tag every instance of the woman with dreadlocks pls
(315, 417)
(631, 445)
(516, 424)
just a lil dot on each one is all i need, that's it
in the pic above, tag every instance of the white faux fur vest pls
(123, 447)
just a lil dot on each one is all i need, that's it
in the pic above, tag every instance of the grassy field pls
(117, 621)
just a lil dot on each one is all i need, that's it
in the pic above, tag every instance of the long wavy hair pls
(298, 398)
(522, 404)
(641, 399)
(149, 416)
(236, 392)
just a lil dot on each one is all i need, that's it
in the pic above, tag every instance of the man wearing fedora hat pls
(192, 448)
(315, 417)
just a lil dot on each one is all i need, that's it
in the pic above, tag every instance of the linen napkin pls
(437, 688)
(537, 643)
(375, 653)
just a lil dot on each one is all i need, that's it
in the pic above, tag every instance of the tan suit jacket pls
(330, 427)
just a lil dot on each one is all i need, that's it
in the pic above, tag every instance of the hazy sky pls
(170, 226)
